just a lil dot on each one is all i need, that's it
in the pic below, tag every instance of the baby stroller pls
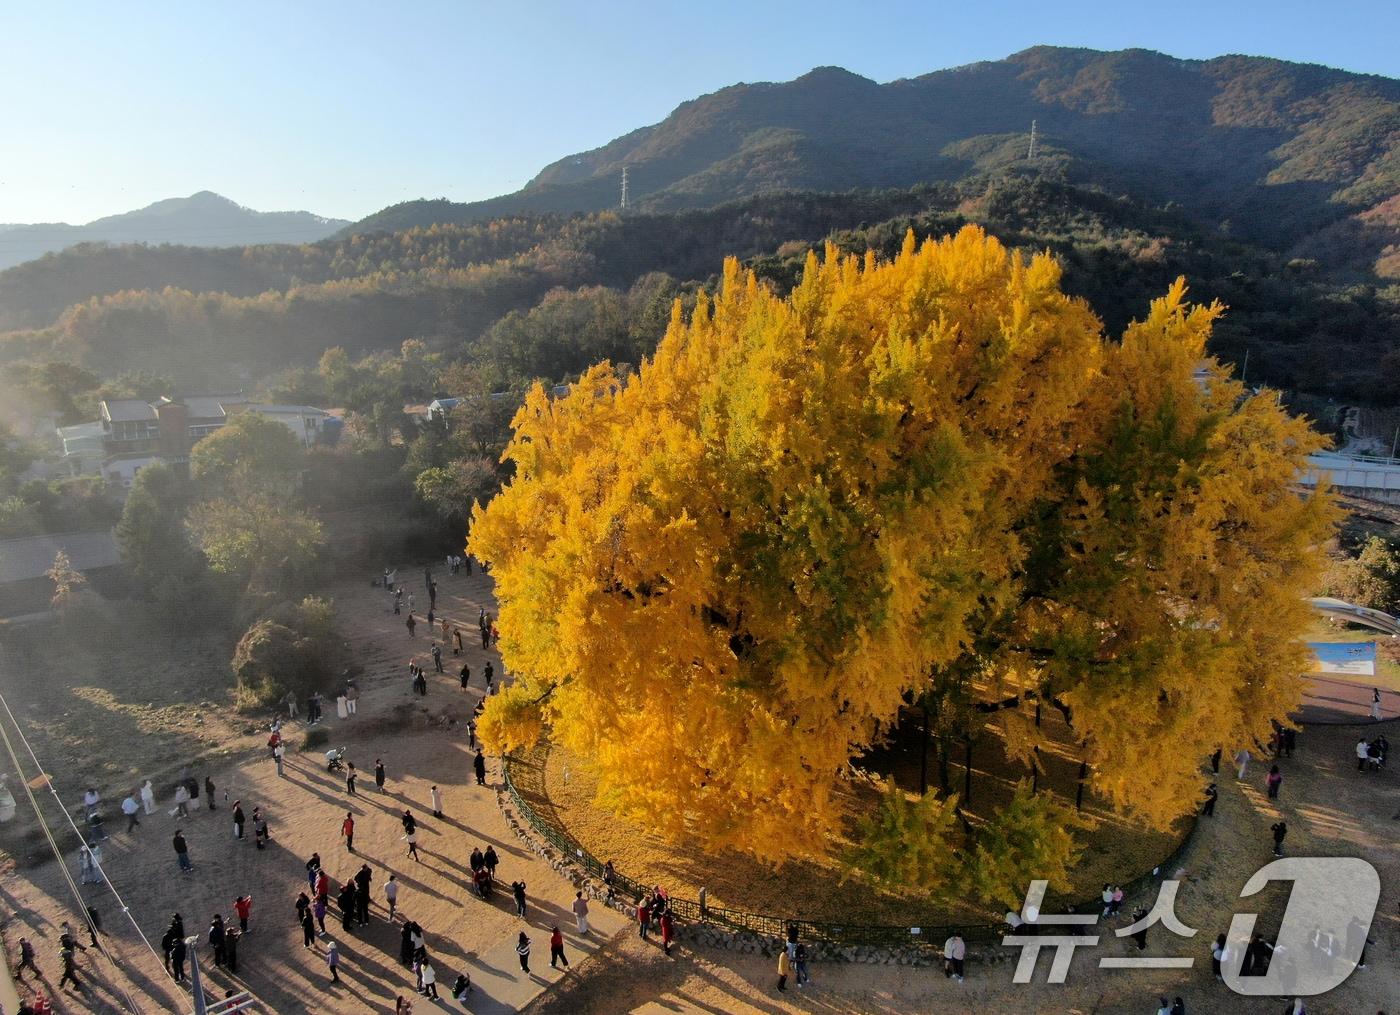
(335, 760)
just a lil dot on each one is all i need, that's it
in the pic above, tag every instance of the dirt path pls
(305, 810)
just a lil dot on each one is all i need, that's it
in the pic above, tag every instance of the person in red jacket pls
(243, 908)
(643, 917)
(347, 829)
(556, 949)
(667, 931)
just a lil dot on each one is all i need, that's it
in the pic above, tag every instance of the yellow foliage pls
(717, 580)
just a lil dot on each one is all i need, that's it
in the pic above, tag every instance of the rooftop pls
(127, 410)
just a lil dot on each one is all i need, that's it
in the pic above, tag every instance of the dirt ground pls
(420, 747)
(1331, 808)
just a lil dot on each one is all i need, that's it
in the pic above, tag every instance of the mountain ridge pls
(1268, 149)
(202, 219)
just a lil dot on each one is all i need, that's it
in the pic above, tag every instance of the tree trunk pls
(1079, 793)
(923, 757)
(943, 778)
(967, 770)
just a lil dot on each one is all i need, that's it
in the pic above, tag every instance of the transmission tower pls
(624, 186)
(1030, 153)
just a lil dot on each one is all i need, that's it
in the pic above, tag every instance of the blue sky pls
(342, 108)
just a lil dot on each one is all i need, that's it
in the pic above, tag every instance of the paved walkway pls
(1336, 700)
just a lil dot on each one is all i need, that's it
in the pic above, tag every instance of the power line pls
(58, 854)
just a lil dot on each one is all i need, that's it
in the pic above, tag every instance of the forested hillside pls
(1275, 152)
(457, 287)
(1273, 187)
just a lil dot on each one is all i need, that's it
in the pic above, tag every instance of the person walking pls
(243, 909)
(347, 830)
(261, 834)
(1376, 704)
(178, 950)
(352, 699)
(148, 797)
(446, 632)
(489, 672)
(333, 960)
(216, 939)
(182, 800)
(784, 968)
(668, 928)
(517, 890)
(391, 895)
(465, 674)
(429, 976)
(209, 792)
(277, 753)
(363, 877)
(182, 852)
(1280, 830)
(350, 776)
(1274, 780)
(67, 954)
(643, 917)
(490, 861)
(131, 809)
(238, 819)
(379, 774)
(479, 763)
(954, 954)
(1242, 761)
(522, 950)
(348, 901)
(308, 928)
(456, 641)
(231, 936)
(26, 960)
(1140, 935)
(410, 623)
(436, 653)
(1219, 952)
(799, 963)
(580, 908)
(556, 949)
(1363, 752)
(436, 795)
(1212, 794)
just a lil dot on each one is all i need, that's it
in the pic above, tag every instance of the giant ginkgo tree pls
(720, 579)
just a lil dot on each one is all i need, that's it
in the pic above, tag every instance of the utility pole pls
(624, 187)
(1030, 153)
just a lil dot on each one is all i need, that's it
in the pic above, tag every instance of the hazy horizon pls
(341, 110)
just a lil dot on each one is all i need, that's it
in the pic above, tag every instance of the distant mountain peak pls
(204, 219)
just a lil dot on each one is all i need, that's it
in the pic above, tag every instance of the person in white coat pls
(148, 798)
(437, 801)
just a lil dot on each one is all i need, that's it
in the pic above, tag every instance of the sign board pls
(1354, 658)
